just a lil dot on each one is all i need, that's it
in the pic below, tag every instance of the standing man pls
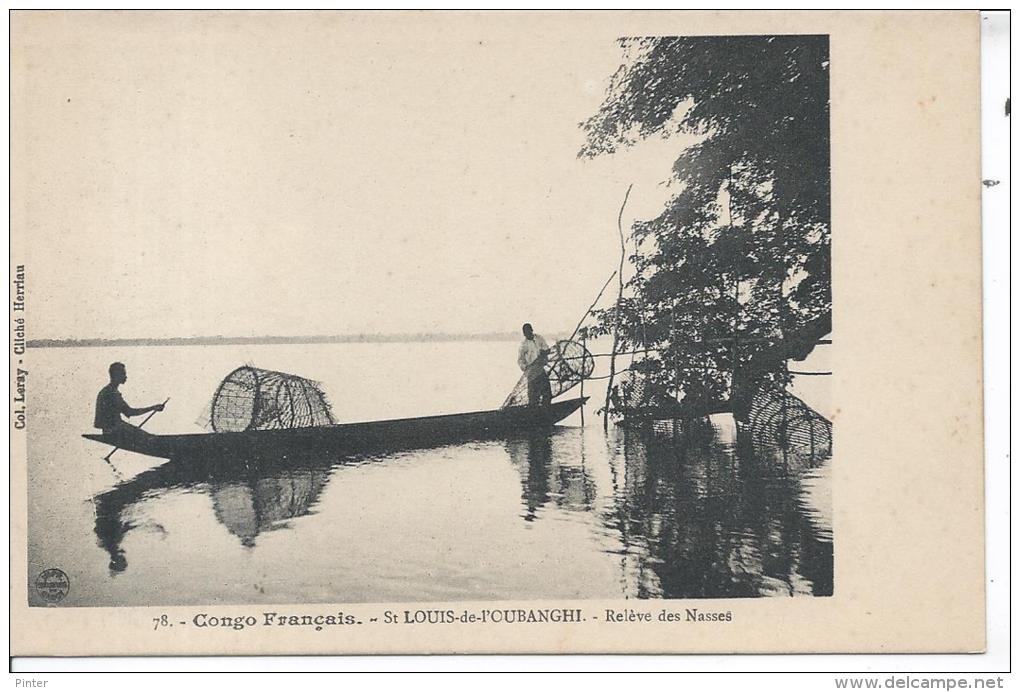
(110, 405)
(532, 357)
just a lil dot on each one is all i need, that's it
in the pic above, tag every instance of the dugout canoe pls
(346, 437)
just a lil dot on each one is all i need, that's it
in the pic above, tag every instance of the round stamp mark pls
(52, 585)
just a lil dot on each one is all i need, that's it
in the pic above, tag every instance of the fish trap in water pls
(567, 365)
(251, 398)
(780, 420)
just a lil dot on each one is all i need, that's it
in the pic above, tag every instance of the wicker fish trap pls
(251, 398)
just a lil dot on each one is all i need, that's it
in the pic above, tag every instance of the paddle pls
(144, 421)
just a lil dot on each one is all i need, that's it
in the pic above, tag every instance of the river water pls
(572, 514)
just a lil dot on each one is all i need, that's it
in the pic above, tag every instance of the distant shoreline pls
(265, 340)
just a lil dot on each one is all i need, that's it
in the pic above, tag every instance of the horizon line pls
(402, 337)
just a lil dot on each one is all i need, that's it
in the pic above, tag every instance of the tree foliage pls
(743, 247)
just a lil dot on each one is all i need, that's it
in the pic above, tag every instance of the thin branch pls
(591, 307)
(616, 317)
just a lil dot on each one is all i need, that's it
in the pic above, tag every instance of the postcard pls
(495, 332)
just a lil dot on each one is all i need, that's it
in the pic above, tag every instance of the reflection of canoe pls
(249, 497)
(403, 432)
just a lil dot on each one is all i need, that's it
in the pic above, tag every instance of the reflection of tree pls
(709, 526)
(551, 468)
(816, 560)
(247, 498)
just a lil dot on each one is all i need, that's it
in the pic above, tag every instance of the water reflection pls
(552, 469)
(248, 499)
(532, 457)
(254, 505)
(681, 512)
(114, 522)
(706, 522)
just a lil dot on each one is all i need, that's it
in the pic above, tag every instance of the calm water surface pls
(571, 514)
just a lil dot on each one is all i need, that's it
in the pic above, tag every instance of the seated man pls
(532, 357)
(110, 405)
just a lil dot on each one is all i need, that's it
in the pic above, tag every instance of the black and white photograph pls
(386, 308)
(395, 391)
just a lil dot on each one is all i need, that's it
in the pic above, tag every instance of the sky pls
(306, 174)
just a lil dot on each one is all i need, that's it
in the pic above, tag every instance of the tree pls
(743, 248)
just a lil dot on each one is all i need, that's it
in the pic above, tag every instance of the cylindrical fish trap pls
(251, 398)
(569, 362)
(780, 420)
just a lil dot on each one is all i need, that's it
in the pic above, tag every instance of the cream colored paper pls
(907, 467)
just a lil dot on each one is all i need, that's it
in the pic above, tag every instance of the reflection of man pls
(532, 456)
(532, 357)
(110, 405)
